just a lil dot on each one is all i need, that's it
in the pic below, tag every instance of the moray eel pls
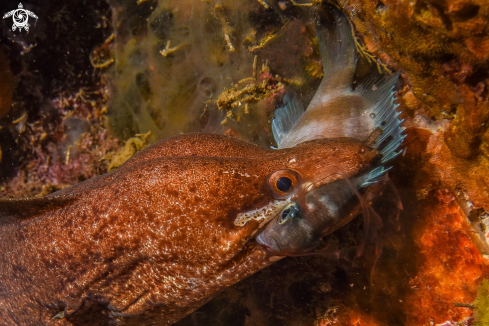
(183, 219)
(158, 237)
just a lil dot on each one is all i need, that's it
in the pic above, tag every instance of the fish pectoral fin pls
(286, 117)
(375, 175)
(13, 209)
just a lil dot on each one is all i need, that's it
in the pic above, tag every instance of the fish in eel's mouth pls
(367, 113)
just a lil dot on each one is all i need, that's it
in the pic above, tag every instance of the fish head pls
(291, 232)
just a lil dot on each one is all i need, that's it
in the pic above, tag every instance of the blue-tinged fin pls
(378, 92)
(15, 209)
(375, 175)
(286, 117)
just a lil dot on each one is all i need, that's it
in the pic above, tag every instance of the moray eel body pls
(160, 236)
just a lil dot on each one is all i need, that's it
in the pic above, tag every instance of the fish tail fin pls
(338, 56)
(337, 48)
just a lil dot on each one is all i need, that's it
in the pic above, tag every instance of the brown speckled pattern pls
(154, 240)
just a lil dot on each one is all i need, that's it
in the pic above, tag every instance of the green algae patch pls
(481, 304)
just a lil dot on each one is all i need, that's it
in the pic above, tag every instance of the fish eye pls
(292, 210)
(283, 182)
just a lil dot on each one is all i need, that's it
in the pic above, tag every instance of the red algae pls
(65, 151)
(441, 49)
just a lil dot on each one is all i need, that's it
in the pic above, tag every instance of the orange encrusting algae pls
(451, 267)
(441, 47)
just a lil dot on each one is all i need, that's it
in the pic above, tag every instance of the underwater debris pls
(262, 42)
(259, 96)
(264, 4)
(169, 50)
(251, 93)
(131, 147)
(68, 153)
(219, 14)
(101, 57)
(307, 4)
(20, 123)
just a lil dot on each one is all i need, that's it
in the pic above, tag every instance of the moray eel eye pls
(283, 182)
(292, 210)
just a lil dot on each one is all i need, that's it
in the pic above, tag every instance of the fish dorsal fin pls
(378, 92)
(286, 117)
(15, 209)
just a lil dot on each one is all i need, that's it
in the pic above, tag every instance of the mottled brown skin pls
(155, 239)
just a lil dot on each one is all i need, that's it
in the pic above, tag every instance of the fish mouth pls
(274, 247)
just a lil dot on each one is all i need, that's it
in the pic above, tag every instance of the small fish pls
(367, 113)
